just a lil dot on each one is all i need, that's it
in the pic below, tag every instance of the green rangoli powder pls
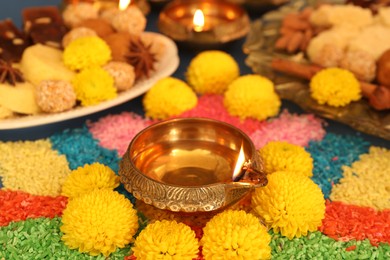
(318, 246)
(41, 239)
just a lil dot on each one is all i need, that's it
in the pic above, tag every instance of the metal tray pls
(259, 46)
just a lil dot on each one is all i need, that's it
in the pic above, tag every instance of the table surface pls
(13, 11)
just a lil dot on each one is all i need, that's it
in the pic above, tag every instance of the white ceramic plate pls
(167, 64)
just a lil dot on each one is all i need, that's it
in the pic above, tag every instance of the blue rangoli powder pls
(81, 148)
(330, 154)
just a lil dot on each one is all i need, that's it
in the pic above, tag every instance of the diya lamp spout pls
(244, 180)
(245, 172)
(249, 174)
(252, 175)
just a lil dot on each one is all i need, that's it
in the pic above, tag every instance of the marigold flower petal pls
(252, 96)
(283, 156)
(210, 72)
(335, 87)
(166, 240)
(169, 97)
(94, 85)
(86, 52)
(99, 222)
(88, 178)
(235, 234)
(291, 204)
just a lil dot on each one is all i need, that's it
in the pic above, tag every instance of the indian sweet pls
(51, 64)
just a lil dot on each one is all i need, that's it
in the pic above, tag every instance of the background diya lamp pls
(106, 16)
(191, 165)
(119, 5)
(122, 5)
(203, 23)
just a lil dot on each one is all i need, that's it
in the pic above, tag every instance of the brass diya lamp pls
(191, 165)
(143, 5)
(203, 23)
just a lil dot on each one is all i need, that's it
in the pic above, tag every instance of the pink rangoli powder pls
(117, 131)
(292, 128)
(211, 106)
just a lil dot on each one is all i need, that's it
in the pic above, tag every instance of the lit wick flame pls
(198, 20)
(240, 162)
(123, 4)
(243, 171)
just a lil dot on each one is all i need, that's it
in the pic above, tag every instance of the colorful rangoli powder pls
(330, 154)
(318, 246)
(346, 222)
(18, 205)
(292, 128)
(41, 239)
(367, 181)
(33, 167)
(211, 106)
(115, 132)
(81, 148)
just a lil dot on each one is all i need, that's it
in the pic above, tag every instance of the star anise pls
(9, 74)
(140, 57)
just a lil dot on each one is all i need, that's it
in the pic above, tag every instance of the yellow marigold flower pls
(335, 87)
(252, 96)
(291, 204)
(88, 178)
(283, 156)
(166, 240)
(212, 72)
(235, 234)
(94, 85)
(169, 97)
(99, 222)
(86, 52)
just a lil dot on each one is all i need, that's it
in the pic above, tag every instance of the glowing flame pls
(198, 20)
(240, 162)
(123, 4)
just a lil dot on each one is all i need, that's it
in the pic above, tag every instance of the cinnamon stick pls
(305, 71)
